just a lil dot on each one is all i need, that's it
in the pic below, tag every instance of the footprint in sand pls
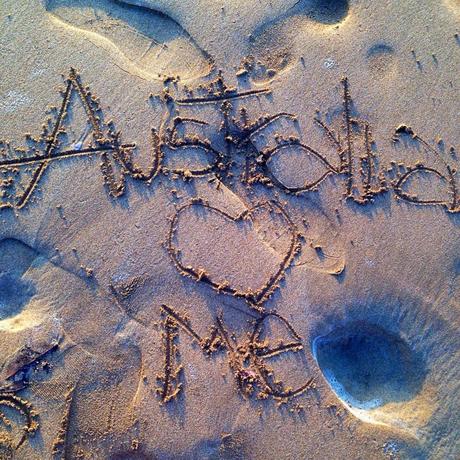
(380, 59)
(271, 44)
(142, 41)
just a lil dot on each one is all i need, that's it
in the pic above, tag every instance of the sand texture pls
(229, 230)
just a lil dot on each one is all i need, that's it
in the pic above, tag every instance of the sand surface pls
(229, 230)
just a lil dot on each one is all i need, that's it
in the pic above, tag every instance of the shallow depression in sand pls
(15, 293)
(380, 59)
(368, 366)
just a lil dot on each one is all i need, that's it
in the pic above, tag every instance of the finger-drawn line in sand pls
(448, 176)
(14, 377)
(259, 162)
(45, 149)
(372, 184)
(208, 344)
(254, 298)
(261, 350)
(354, 147)
(217, 92)
(278, 150)
(170, 386)
(61, 443)
(174, 143)
(258, 167)
(247, 359)
(227, 94)
(22, 407)
(143, 42)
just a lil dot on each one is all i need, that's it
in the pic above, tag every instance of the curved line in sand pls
(257, 298)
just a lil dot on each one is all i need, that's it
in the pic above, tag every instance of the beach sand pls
(229, 230)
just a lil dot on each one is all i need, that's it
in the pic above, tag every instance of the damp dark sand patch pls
(368, 366)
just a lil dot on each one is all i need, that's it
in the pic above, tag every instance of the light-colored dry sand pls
(373, 292)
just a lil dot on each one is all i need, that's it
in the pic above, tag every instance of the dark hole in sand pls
(329, 11)
(15, 293)
(367, 366)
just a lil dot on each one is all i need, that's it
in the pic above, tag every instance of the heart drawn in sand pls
(232, 253)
